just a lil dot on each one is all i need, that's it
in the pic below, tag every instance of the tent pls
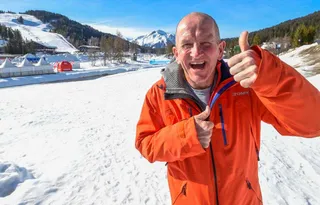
(25, 62)
(26, 67)
(7, 69)
(43, 67)
(64, 66)
(41, 62)
(32, 58)
(6, 64)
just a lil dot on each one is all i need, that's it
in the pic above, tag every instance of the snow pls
(34, 29)
(11, 175)
(73, 143)
(3, 43)
(293, 58)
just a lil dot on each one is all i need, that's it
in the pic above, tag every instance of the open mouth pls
(197, 65)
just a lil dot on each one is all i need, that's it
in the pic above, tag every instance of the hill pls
(33, 29)
(294, 32)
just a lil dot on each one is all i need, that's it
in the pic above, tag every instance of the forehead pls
(195, 28)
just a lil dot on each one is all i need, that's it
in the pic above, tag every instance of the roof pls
(87, 46)
(44, 44)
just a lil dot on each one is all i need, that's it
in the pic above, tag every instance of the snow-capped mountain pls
(156, 39)
(35, 30)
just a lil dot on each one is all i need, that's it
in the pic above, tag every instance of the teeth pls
(197, 63)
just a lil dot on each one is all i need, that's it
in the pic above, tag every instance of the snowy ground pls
(299, 61)
(73, 143)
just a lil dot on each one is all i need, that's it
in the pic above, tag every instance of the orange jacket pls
(227, 171)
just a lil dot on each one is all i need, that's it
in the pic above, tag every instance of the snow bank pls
(11, 176)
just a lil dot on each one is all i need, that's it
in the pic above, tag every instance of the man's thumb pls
(243, 41)
(204, 115)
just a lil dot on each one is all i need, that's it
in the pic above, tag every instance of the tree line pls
(296, 32)
(15, 43)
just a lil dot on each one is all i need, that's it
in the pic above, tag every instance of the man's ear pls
(222, 46)
(175, 52)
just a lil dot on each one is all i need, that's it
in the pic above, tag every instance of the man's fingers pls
(246, 73)
(205, 141)
(243, 41)
(206, 125)
(234, 60)
(204, 115)
(246, 83)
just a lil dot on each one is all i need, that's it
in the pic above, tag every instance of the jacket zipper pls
(214, 174)
(251, 188)
(215, 98)
(255, 145)
(183, 191)
(225, 141)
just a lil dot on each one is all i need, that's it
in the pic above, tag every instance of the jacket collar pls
(176, 82)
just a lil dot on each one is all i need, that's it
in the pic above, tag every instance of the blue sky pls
(139, 17)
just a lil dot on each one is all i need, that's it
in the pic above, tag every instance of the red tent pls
(64, 66)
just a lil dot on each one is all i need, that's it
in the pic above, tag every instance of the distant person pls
(203, 117)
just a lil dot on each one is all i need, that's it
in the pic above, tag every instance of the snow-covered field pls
(73, 143)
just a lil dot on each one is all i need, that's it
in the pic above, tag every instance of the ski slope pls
(33, 29)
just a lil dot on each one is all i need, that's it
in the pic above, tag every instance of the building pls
(86, 48)
(42, 47)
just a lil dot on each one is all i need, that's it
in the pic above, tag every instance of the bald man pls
(203, 116)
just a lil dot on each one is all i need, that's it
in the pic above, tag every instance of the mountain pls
(156, 39)
(76, 33)
(33, 29)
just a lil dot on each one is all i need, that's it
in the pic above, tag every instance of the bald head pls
(197, 18)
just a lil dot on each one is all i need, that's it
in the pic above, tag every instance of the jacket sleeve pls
(157, 142)
(286, 99)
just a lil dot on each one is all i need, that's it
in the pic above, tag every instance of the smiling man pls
(203, 116)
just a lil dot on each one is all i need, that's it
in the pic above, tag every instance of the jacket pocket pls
(224, 134)
(183, 192)
(254, 190)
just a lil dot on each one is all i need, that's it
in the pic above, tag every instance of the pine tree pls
(256, 39)
(310, 34)
(299, 36)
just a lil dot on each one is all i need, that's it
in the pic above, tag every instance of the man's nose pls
(196, 51)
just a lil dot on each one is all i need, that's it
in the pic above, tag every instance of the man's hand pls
(243, 66)
(203, 127)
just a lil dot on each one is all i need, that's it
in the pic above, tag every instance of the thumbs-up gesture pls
(203, 127)
(243, 66)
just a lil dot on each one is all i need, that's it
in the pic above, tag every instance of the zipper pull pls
(184, 190)
(248, 184)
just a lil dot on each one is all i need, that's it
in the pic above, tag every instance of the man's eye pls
(206, 44)
(187, 45)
